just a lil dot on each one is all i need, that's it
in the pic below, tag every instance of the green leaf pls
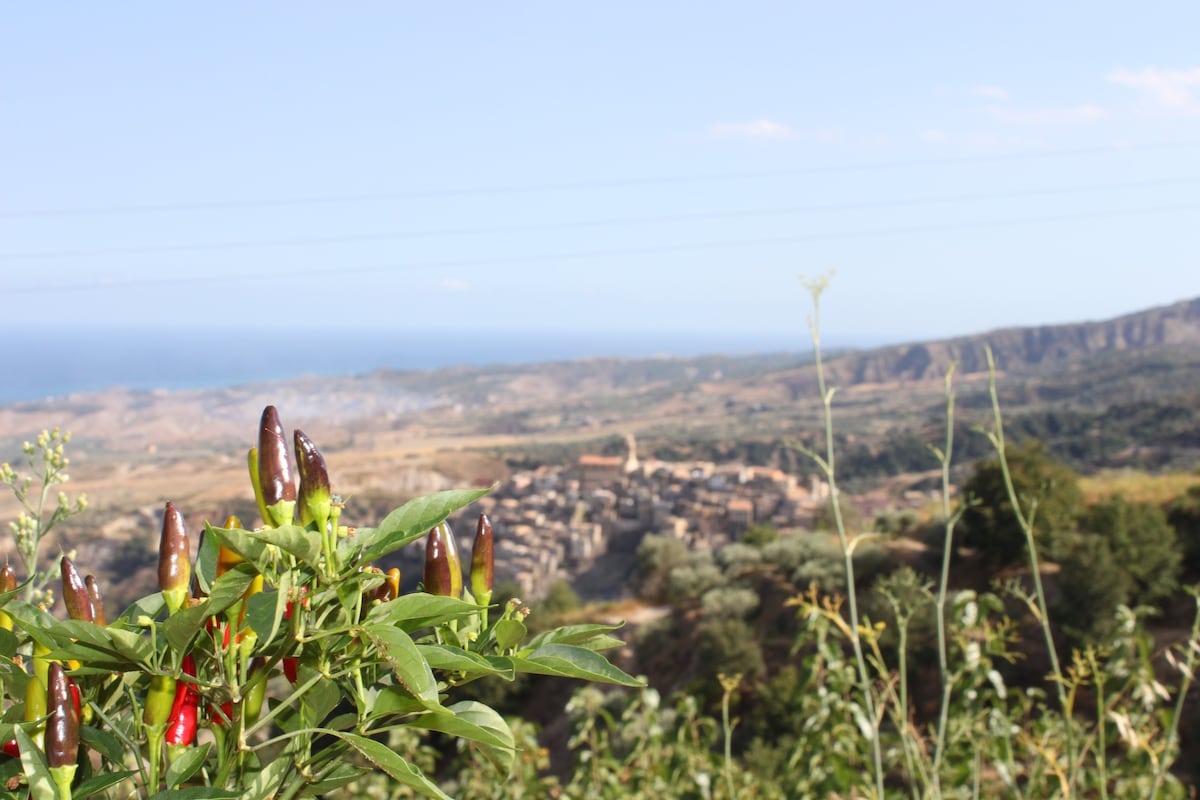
(150, 606)
(569, 661)
(187, 764)
(509, 633)
(413, 520)
(392, 701)
(11, 595)
(8, 644)
(479, 724)
(131, 645)
(229, 588)
(455, 659)
(265, 610)
(103, 742)
(300, 542)
(391, 762)
(241, 542)
(419, 610)
(410, 668)
(98, 783)
(317, 702)
(182, 626)
(340, 776)
(41, 783)
(84, 633)
(197, 793)
(33, 621)
(592, 636)
(268, 780)
(207, 556)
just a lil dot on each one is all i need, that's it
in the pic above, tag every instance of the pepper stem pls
(63, 776)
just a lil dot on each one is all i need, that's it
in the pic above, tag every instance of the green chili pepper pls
(8, 582)
(75, 593)
(315, 496)
(93, 590)
(159, 700)
(275, 470)
(443, 567)
(483, 562)
(174, 568)
(62, 730)
(252, 463)
(35, 709)
(41, 664)
(252, 701)
(35, 702)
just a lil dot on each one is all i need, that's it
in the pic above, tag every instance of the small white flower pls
(864, 725)
(997, 680)
(973, 655)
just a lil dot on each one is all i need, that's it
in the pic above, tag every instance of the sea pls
(40, 363)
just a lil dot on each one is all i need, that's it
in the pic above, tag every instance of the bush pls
(1047, 490)
(297, 596)
(1142, 542)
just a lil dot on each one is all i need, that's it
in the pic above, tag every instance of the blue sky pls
(648, 167)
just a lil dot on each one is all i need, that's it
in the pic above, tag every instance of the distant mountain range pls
(1120, 391)
(1029, 350)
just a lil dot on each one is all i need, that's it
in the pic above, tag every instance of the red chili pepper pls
(11, 748)
(181, 725)
(289, 663)
(75, 696)
(224, 714)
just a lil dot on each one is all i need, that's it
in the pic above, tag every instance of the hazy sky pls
(579, 167)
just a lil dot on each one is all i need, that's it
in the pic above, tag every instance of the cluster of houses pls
(554, 522)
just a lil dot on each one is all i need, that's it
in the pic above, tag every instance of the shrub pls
(298, 596)
(1047, 491)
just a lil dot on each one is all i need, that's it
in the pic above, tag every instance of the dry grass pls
(1137, 486)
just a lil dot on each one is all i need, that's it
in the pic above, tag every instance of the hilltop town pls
(561, 522)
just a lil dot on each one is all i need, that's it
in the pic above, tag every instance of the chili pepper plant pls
(277, 662)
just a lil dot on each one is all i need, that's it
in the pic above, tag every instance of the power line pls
(219, 205)
(584, 224)
(188, 280)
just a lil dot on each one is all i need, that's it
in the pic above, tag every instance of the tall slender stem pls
(944, 456)
(828, 466)
(1034, 567)
(1189, 670)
